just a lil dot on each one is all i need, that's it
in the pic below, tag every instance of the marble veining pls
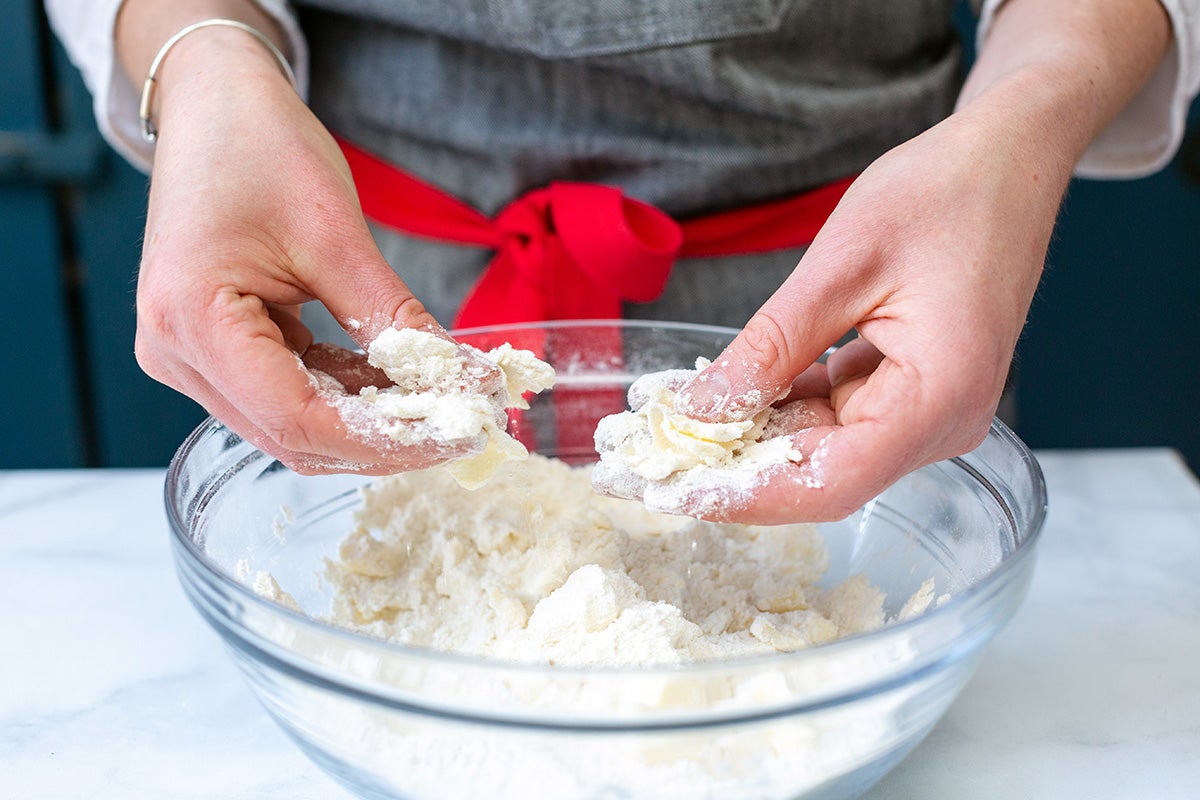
(113, 688)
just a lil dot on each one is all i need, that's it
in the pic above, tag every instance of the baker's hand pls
(933, 256)
(252, 212)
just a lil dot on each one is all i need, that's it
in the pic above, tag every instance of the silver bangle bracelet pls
(149, 130)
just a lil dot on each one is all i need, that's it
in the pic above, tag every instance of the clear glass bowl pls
(392, 721)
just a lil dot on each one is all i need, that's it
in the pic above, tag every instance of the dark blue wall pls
(71, 218)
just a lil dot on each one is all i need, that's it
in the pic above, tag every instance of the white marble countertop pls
(112, 688)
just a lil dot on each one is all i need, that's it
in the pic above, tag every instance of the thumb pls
(808, 314)
(351, 277)
(366, 296)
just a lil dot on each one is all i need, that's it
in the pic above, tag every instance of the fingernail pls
(706, 395)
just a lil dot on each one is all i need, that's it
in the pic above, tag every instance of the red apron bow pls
(573, 251)
(576, 250)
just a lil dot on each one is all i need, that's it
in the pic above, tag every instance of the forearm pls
(1062, 70)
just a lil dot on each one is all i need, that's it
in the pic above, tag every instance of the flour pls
(671, 460)
(534, 566)
(436, 397)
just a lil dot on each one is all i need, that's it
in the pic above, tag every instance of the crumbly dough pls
(658, 455)
(435, 386)
(655, 441)
(534, 566)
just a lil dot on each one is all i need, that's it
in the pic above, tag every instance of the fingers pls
(848, 369)
(295, 333)
(187, 380)
(237, 356)
(889, 424)
(877, 421)
(813, 308)
(339, 263)
(799, 415)
(843, 468)
(840, 469)
(245, 374)
(233, 245)
(367, 297)
(768, 495)
(351, 369)
(813, 382)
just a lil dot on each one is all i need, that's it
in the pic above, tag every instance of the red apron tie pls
(577, 250)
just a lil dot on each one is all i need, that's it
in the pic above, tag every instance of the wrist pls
(218, 59)
(1063, 69)
(1037, 115)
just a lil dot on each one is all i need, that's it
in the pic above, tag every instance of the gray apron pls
(692, 105)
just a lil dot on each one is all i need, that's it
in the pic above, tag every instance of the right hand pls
(253, 212)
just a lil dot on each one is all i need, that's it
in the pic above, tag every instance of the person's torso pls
(692, 105)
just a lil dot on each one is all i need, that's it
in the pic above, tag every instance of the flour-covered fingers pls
(386, 459)
(295, 333)
(351, 369)
(812, 382)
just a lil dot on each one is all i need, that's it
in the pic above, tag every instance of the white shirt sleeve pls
(85, 27)
(1146, 135)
